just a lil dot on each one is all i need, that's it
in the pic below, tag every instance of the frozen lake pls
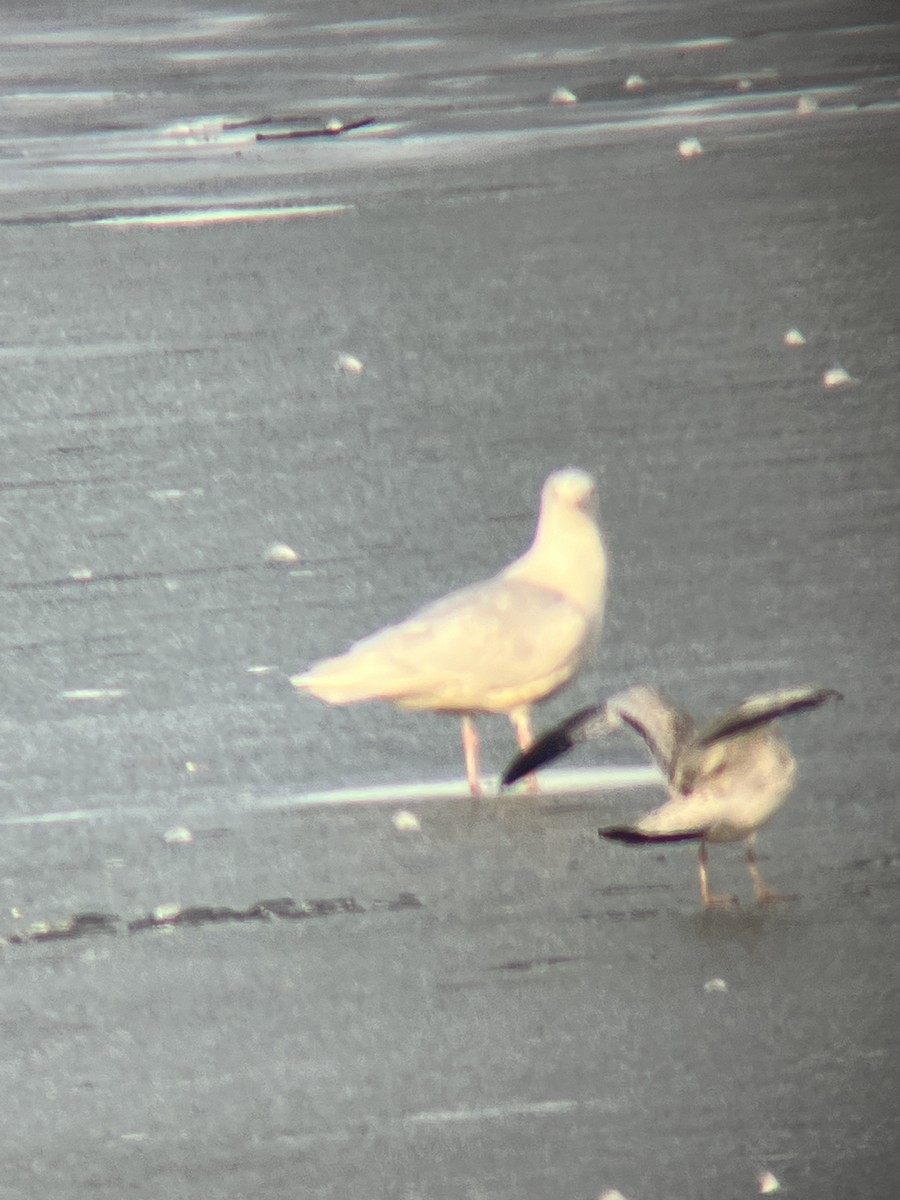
(498, 1006)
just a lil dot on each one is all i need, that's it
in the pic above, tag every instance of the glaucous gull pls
(495, 646)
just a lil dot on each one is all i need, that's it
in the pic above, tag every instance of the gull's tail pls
(634, 837)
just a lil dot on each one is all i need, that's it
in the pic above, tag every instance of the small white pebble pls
(406, 822)
(744, 85)
(611, 1194)
(196, 767)
(202, 128)
(335, 125)
(349, 364)
(690, 148)
(167, 494)
(178, 835)
(166, 912)
(81, 574)
(794, 337)
(16, 914)
(563, 96)
(280, 553)
(260, 670)
(807, 104)
(94, 694)
(93, 955)
(715, 985)
(837, 377)
(767, 1183)
(634, 83)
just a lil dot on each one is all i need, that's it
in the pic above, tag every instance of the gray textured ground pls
(498, 1006)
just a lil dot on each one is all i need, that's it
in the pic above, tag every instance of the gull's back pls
(727, 790)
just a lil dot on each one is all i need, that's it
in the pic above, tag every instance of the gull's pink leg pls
(763, 895)
(470, 749)
(710, 899)
(521, 721)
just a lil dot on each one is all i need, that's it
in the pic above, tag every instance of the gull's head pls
(567, 555)
(570, 487)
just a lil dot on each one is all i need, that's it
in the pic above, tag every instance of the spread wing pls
(662, 725)
(762, 710)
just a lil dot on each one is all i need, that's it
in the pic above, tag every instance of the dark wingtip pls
(763, 710)
(633, 837)
(582, 726)
(820, 696)
(545, 749)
